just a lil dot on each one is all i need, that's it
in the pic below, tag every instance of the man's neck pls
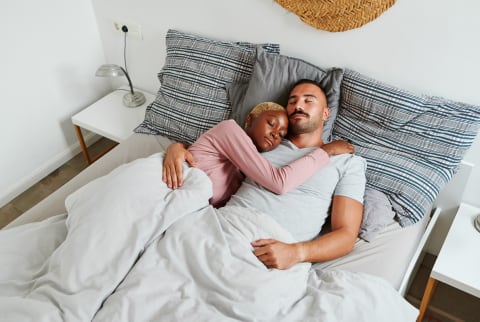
(307, 140)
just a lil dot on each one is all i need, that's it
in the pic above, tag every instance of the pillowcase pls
(377, 214)
(192, 97)
(272, 79)
(413, 144)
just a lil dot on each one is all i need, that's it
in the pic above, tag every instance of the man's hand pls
(172, 164)
(275, 254)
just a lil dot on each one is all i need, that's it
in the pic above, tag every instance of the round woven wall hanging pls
(336, 15)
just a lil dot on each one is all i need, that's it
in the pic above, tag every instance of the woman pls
(227, 153)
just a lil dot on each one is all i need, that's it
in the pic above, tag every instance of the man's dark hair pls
(306, 81)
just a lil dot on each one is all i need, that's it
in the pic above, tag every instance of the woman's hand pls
(172, 164)
(338, 147)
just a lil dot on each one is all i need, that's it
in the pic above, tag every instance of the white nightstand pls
(109, 118)
(458, 263)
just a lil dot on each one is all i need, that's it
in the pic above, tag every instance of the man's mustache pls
(298, 112)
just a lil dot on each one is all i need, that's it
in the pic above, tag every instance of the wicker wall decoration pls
(336, 15)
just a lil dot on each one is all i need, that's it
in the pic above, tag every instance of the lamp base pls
(133, 100)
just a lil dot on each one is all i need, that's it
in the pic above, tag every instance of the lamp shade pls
(131, 99)
(110, 70)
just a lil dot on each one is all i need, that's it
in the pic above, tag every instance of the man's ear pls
(326, 113)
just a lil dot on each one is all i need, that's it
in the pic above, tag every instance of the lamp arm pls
(128, 78)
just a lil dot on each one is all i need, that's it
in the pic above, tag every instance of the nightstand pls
(109, 118)
(458, 263)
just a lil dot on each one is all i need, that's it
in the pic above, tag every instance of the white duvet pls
(132, 250)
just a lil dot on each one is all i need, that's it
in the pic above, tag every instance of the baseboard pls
(45, 169)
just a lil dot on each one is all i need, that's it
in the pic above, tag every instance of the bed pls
(106, 247)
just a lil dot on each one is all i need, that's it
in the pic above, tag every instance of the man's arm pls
(346, 218)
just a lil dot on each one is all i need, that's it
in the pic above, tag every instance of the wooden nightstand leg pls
(427, 296)
(103, 153)
(81, 140)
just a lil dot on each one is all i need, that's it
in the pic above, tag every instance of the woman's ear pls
(249, 120)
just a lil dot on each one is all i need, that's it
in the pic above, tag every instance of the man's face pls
(306, 109)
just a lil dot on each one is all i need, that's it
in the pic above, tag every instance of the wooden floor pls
(447, 304)
(49, 184)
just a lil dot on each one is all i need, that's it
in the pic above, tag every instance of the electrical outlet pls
(134, 30)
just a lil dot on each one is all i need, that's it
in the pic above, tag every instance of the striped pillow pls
(413, 143)
(192, 97)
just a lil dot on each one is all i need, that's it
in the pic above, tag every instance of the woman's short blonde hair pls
(265, 106)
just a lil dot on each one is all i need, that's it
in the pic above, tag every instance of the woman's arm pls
(172, 173)
(230, 140)
(238, 148)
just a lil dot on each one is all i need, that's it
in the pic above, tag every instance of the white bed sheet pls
(194, 262)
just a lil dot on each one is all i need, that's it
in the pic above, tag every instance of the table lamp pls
(130, 99)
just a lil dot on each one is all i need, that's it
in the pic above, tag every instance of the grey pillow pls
(192, 97)
(272, 79)
(377, 214)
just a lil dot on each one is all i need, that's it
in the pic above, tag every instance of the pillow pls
(377, 214)
(192, 97)
(413, 144)
(272, 79)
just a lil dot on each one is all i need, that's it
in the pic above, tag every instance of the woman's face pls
(267, 129)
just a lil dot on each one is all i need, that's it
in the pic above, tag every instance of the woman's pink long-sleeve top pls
(226, 154)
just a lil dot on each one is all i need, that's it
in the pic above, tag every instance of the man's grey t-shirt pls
(303, 210)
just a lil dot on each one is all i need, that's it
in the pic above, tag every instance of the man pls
(307, 110)
(303, 211)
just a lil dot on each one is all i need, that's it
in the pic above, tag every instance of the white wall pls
(50, 51)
